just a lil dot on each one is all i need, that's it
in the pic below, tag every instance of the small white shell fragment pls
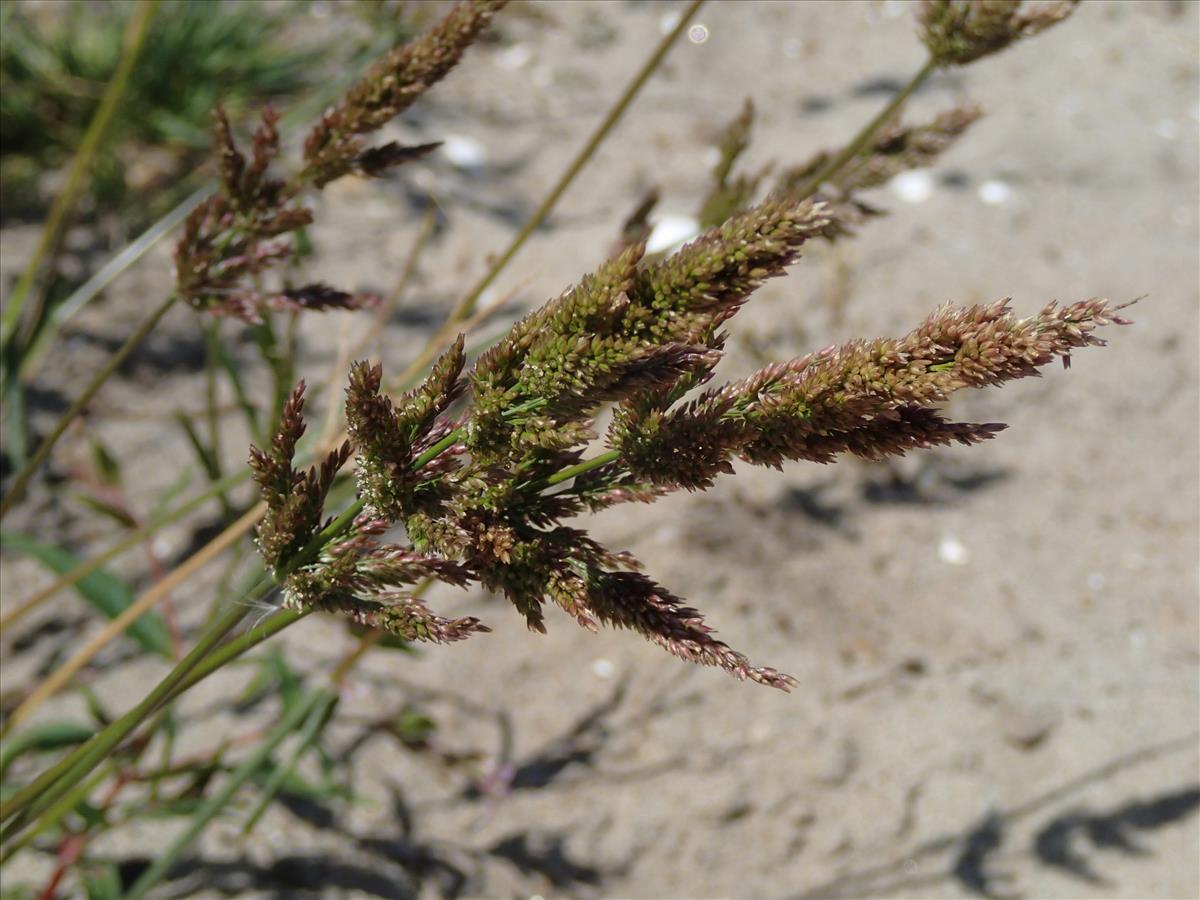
(666, 534)
(952, 552)
(463, 152)
(995, 193)
(603, 668)
(515, 57)
(1167, 129)
(913, 187)
(671, 231)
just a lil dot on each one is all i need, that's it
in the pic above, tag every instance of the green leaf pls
(284, 777)
(16, 439)
(92, 815)
(42, 739)
(108, 594)
(204, 453)
(116, 513)
(413, 727)
(95, 705)
(274, 674)
(172, 491)
(249, 410)
(107, 466)
(102, 882)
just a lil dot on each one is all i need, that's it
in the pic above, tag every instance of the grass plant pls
(488, 462)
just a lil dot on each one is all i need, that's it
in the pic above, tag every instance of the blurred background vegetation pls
(56, 59)
(93, 181)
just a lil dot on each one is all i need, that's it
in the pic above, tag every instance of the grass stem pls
(862, 140)
(135, 38)
(23, 477)
(470, 300)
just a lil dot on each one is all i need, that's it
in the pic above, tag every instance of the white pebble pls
(603, 668)
(995, 193)
(698, 34)
(952, 552)
(515, 57)
(463, 152)
(666, 534)
(670, 232)
(1167, 129)
(913, 187)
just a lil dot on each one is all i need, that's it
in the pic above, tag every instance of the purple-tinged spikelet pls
(295, 500)
(868, 398)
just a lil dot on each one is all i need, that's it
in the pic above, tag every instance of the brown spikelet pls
(333, 148)
(631, 600)
(958, 32)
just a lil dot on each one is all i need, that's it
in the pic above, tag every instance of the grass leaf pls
(103, 590)
(42, 738)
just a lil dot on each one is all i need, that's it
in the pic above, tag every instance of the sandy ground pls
(996, 646)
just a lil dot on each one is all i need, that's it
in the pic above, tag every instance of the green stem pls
(212, 340)
(440, 447)
(318, 715)
(114, 93)
(579, 468)
(467, 304)
(234, 648)
(21, 481)
(133, 539)
(214, 804)
(864, 137)
(68, 802)
(47, 788)
(107, 274)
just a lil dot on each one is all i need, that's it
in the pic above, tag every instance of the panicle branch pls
(629, 329)
(390, 435)
(731, 194)
(869, 398)
(333, 147)
(295, 500)
(242, 230)
(898, 147)
(958, 32)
